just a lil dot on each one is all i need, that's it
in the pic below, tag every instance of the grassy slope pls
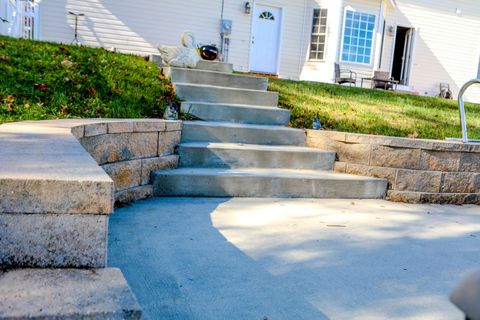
(373, 111)
(42, 80)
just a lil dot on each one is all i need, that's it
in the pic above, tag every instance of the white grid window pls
(358, 37)
(319, 34)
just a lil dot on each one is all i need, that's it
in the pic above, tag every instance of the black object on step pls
(209, 52)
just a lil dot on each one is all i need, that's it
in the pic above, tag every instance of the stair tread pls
(254, 147)
(218, 73)
(221, 88)
(220, 124)
(234, 105)
(268, 173)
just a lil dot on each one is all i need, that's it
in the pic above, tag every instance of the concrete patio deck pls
(197, 258)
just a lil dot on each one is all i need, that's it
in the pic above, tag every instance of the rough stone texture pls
(55, 196)
(78, 131)
(356, 153)
(120, 147)
(460, 182)
(120, 127)
(125, 174)
(148, 126)
(420, 181)
(167, 141)
(97, 294)
(159, 163)
(417, 170)
(340, 167)
(470, 162)
(383, 156)
(53, 240)
(95, 129)
(439, 198)
(134, 194)
(377, 172)
(173, 125)
(439, 160)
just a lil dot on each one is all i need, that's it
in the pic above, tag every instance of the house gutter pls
(304, 28)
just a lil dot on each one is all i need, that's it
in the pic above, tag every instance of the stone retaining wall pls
(418, 171)
(129, 151)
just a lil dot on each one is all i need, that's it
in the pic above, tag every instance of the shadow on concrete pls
(180, 267)
(294, 258)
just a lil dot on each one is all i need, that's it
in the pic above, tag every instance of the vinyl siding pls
(292, 29)
(323, 70)
(447, 46)
(130, 26)
(370, 7)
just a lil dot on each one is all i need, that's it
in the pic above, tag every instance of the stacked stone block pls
(129, 151)
(417, 170)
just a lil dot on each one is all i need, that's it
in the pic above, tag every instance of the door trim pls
(280, 36)
(413, 46)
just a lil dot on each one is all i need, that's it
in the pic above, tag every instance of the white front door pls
(265, 42)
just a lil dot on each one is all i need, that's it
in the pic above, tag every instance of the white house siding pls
(130, 26)
(291, 53)
(323, 70)
(371, 7)
(138, 26)
(447, 47)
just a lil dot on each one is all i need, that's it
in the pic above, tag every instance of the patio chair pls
(445, 91)
(341, 76)
(382, 80)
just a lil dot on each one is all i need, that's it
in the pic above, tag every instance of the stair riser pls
(228, 96)
(215, 79)
(53, 241)
(264, 187)
(192, 132)
(233, 114)
(238, 158)
(201, 65)
(215, 66)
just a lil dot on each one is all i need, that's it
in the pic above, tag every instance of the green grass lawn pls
(41, 80)
(373, 111)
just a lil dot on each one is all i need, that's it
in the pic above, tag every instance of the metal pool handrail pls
(463, 117)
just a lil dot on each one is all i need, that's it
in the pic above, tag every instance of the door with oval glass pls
(265, 42)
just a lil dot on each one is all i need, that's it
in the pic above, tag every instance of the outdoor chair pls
(345, 76)
(445, 91)
(382, 80)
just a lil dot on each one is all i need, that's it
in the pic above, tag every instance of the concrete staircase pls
(241, 145)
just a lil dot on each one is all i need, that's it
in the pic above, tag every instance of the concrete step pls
(215, 66)
(237, 113)
(66, 294)
(233, 155)
(195, 131)
(214, 78)
(216, 94)
(265, 183)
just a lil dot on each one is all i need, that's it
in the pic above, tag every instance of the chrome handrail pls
(463, 117)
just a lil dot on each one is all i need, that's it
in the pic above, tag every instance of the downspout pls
(223, 7)
(221, 34)
(302, 53)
